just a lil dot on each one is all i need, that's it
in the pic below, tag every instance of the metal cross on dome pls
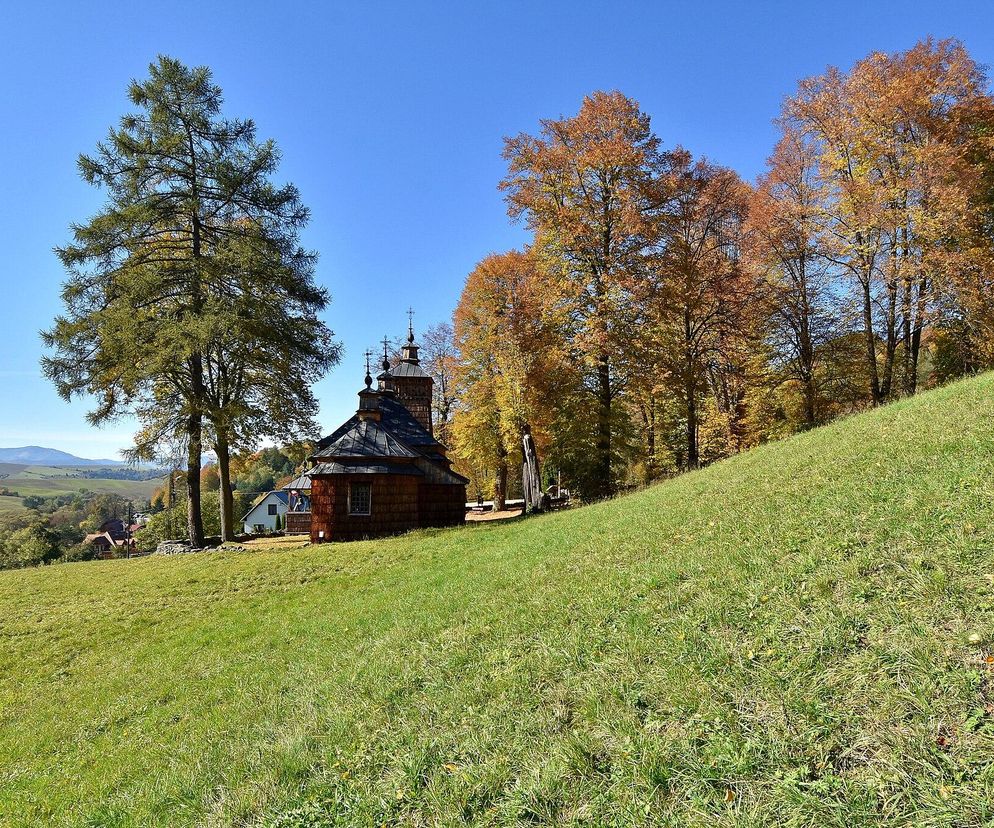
(410, 324)
(386, 359)
(369, 379)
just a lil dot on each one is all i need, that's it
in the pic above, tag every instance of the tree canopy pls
(697, 314)
(190, 302)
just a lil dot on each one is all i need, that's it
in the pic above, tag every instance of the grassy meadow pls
(799, 636)
(48, 481)
(11, 504)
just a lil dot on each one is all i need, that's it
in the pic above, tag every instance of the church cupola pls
(409, 353)
(414, 386)
(369, 398)
(385, 379)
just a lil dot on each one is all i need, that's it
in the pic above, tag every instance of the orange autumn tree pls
(699, 294)
(697, 315)
(896, 189)
(965, 339)
(510, 364)
(587, 186)
(785, 248)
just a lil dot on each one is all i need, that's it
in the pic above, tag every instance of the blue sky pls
(390, 118)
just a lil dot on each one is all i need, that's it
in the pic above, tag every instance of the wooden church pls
(382, 471)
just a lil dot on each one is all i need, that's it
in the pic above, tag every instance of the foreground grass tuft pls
(799, 636)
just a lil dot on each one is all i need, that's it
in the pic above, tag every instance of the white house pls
(262, 516)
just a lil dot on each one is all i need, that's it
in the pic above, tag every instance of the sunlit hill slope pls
(799, 636)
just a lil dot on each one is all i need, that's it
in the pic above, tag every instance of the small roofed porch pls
(298, 514)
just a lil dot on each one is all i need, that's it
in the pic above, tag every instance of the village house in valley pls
(267, 514)
(114, 538)
(382, 471)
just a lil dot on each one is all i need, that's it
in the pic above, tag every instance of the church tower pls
(413, 385)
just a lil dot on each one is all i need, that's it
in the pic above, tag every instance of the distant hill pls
(39, 456)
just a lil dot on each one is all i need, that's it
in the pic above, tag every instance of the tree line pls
(53, 528)
(667, 313)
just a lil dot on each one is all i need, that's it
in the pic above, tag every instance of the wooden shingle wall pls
(393, 507)
(441, 504)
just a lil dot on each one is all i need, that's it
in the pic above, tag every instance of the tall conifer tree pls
(193, 263)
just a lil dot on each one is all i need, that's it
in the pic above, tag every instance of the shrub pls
(30, 546)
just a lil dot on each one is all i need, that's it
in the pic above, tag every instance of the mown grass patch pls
(798, 636)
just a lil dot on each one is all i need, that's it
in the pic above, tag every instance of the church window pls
(359, 498)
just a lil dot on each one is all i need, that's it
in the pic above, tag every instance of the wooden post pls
(530, 479)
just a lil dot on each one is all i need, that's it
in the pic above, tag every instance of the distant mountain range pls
(39, 456)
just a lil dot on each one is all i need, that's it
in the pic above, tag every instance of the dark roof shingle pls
(395, 416)
(409, 369)
(337, 467)
(366, 438)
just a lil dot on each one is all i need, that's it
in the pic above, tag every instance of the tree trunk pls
(871, 344)
(227, 495)
(890, 349)
(690, 392)
(500, 486)
(649, 414)
(194, 454)
(195, 422)
(806, 349)
(907, 381)
(916, 333)
(604, 481)
(531, 477)
(693, 456)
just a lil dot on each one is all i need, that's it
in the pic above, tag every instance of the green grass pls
(795, 637)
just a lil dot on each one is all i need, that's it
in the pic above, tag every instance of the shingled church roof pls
(335, 467)
(408, 369)
(383, 436)
(395, 418)
(365, 438)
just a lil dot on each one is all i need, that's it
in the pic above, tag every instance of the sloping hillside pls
(799, 636)
(49, 481)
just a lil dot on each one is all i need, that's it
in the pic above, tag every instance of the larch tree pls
(155, 277)
(586, 186)
(260, 370)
